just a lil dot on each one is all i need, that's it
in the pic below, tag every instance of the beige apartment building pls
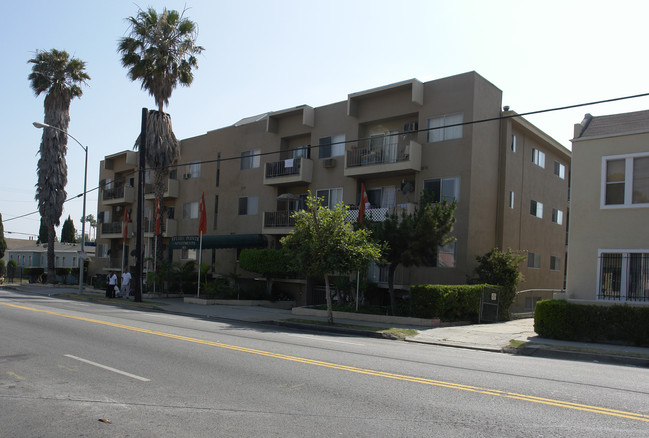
(609, 237)
(450, 136)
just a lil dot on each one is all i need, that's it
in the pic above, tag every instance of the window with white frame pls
(443, 189)
(511, 199)
(555, 263)
(625, 180)
(559, 170)
(333, 146)
(624, 275)
(533, 260)
(536, 209)
(330, 197)
(446, 127)
(194, 169)
(190, 210)
(250, 159)
(248, 205)
(538, 157)
(557, 216)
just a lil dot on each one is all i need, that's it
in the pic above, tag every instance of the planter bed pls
(261, 303)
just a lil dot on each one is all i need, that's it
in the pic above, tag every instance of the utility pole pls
(139, 263)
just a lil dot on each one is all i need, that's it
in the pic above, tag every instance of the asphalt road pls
(71, 368)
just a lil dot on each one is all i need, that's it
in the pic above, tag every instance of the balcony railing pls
(279, 219)
(380, 214)
(290, 171)
(111, 228)
(119, 194)
(402, 156)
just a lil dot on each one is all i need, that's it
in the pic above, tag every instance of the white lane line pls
(318, 338)
(123, 373)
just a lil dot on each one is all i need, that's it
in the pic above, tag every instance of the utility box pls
(489, 304)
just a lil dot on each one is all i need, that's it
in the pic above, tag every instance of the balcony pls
(169, 227)
(380, 214)
(286, 172)
(171, 189)
(112, 230)
(389, 159)
(278, 222)
(119, 195)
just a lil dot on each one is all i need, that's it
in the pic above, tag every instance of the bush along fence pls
(447, 302)
(560, 319)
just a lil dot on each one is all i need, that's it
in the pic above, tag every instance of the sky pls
(269, 55)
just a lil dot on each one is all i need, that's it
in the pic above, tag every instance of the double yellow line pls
(351, 369)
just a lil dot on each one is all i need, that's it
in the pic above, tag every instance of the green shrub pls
(3, 268)
(12, 267)
(501, 268)
(449, 303)
(558, 319)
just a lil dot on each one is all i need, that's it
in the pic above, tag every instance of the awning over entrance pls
(224, 241)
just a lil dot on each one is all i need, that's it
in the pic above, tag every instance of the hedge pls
(449, 303)
(624, 324)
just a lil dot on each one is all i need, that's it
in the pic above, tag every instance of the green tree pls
(323, 243)
(59, 77)
(68, 233)
(501, 268)
(267, 262)
(3, 242)
(412, 238)
(160, 51)
(42, 233)
(12, 267)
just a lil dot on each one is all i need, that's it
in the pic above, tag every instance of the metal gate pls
(489, 304)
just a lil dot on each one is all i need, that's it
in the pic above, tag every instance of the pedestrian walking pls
(111, 284)
(125, 289)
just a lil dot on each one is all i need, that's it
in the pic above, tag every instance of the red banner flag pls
(202, 221)
(126, 221)
(361, 207)
(157, 217)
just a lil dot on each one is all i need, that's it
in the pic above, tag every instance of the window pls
(194, 170)
(624, 276)
(626, 181)
(441, 128)
(333, 146)
(442, 257)
(536, 209)
(216, 210)
(559, 170)
(248, 205)
(557, 216)
(538, 158)
(511, 199)
(250, 159)
(188, 254)
(533, 260)
(443, 189)
(330, 197)
(190, 210)
(555, 263)
(513, 142)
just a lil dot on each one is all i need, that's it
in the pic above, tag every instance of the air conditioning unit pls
(329, 163)
(118, 209)
(187, 175)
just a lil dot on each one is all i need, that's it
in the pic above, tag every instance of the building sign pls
(184, 242)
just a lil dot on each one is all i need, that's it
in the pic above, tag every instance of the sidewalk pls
(496, 337)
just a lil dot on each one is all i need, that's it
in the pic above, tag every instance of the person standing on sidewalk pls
(125, 290)
(111, 283)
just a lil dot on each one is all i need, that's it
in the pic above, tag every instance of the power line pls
(472, 122)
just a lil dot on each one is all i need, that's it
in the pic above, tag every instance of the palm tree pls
(160, 51)
(60, 77)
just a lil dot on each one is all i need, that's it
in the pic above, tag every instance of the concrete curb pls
(550, 352)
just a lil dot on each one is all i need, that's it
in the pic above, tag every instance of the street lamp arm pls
(45, 125)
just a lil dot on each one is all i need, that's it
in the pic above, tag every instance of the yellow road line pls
(352, 369)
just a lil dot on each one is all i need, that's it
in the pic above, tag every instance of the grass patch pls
(399, 333)
(513, 343)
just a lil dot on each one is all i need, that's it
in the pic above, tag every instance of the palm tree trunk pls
(51, 237)
(330, 315)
